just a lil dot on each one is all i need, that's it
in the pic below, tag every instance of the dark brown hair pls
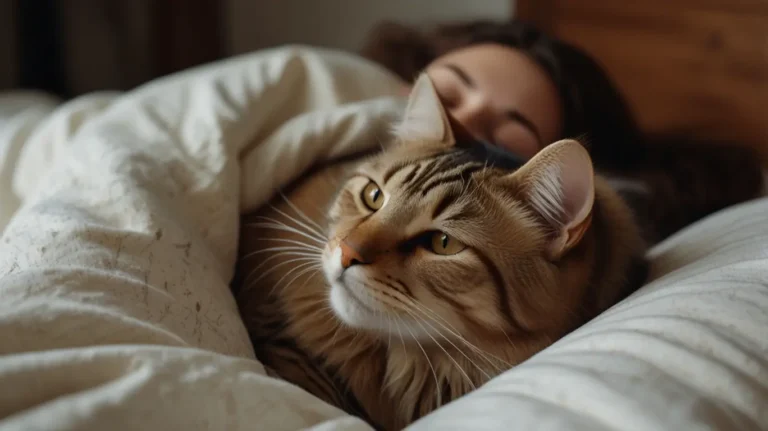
(593, 109)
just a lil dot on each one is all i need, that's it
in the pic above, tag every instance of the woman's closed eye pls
(512, 136)
(451, 96)
(476, 105)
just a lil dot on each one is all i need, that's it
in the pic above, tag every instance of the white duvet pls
(115, 311)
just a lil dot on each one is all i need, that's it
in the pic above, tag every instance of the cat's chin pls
(351, 302)
(348, 301)
(355, 309)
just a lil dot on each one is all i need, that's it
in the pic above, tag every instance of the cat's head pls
(435, 237)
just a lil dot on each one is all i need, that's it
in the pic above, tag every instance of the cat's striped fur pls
(548, 246)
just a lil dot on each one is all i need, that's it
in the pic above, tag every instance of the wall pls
(339, 23)
(699, 68)
(7, 45)
(107, 44)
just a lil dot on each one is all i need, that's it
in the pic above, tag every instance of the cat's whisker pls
(311, 259)
(307, 266)
(246, 280)
(455, 362)
(434, 374)
(270, 223)
(335, 329)
(511, 343)
(416, 317)
(402, 340)
(392, 380)
(322, 311)
(282, 254)
(301, 213)
(480, 352)
(330, 322)
(319, 270)
(293, 241)
(309, 229)
(316, 304)
(277, 225)
(270, 249)
(453, 331)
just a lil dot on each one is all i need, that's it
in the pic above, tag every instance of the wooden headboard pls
(694, 66)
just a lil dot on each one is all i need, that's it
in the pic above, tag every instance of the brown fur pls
(452, 322)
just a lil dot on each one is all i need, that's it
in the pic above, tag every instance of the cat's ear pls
(559, 184)
(425, 117)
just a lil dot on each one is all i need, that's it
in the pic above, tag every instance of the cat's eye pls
(442, 243)
(372, 196)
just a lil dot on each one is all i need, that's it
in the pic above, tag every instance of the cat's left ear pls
(559, 184)
(426, 119)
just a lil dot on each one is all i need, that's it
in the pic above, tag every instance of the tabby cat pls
(431, 268)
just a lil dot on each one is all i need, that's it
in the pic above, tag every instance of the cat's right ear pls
(558, 183)
(425, 118)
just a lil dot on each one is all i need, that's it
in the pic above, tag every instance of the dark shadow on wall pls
(71, 47)
(39, 47)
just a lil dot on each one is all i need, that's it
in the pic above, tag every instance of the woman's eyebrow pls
(513, 115)
(466, 79)
(525, 122)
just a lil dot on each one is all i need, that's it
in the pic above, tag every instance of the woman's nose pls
(473, 113)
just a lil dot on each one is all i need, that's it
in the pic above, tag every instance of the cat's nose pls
(350, 256)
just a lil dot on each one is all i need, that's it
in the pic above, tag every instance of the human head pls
(522, 114)
(589, 108)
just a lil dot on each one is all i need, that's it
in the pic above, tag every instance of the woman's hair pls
(593, 109)
(687, 179)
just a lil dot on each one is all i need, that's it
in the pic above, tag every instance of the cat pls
(431, 267)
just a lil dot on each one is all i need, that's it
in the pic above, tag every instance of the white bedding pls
(114, 303)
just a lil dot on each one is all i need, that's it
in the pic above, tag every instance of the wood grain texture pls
(693, 66)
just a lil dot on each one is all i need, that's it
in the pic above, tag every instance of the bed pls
(119, 240)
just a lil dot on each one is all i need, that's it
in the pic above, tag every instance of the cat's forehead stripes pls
(453, 166)
(389, 173)
(458, 174)
(446, 201)
(426, 173)
(412, 174)
(448, 169)
(423, 174)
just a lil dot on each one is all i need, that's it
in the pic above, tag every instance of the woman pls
(510, 84)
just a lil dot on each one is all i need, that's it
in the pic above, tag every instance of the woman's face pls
(499, 95)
